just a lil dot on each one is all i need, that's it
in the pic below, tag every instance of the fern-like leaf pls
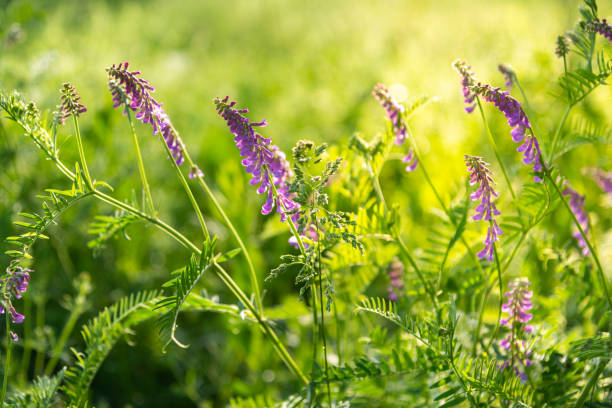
(42, 393)
(184, 282)
(100, 335)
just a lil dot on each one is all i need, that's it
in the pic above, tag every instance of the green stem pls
(228, 222)
(27, 339)
(141, 168)
(7, 360)
(600, 271)
(181, 177)
(278, 346)
(518, 83)
(501, 294)
(82, 153)
(553, 144)
(592, 381)
(322, 327)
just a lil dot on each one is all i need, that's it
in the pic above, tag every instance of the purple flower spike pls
(261, 159)
(411, 160)
(467, 81)
(576, 203)
(601, 27)
(486, 210)
(394, 112)
(127, 88)
(396, 280)
(517, 310)
(603, 179)
(511, 108)
(508, 74)
(70, 105)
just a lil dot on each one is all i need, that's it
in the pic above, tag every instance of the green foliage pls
(42, 393)
(100, 335)
(183, 283)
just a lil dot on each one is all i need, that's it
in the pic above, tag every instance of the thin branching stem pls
(82, 153)
(591, 383)
(7, 359)
(322, 327)
(141, 168)
(553, 143)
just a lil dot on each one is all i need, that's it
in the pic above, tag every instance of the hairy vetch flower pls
(127, 88)
(394, 112)
(481, 175)
(576, 203)
(467, 81)
(563, 44)
(411, 160)
(508, 74)
(601, 27)
(261, 160)
(604, 179)
(13, 285)
(517, 309)
(70, 104)
(511, 108)
(396, 281)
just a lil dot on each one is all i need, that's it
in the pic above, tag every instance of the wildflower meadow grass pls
(304, 223)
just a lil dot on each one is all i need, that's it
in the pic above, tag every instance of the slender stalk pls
(518, 83)
(181, 177)
(27, 338)
(228, 222)
(589, 385)
(141, 168)
(283, 353)
(501, 295)
(82, 153)
(7, 360)
(404, 249)
(600, 272)
(553, 144)
(322, 327)
(494, 145)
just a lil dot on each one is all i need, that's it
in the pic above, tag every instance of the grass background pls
(307, 68)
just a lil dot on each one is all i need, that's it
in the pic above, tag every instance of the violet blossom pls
(576, 203)
(601, 27)
(262, 160)
(13, 285)
(603, 179)
(127, 88)
(511, 108)
(396, 281)
(70, 105)
(395, 112)
(517, 309)
(508, 74)
(481, 175)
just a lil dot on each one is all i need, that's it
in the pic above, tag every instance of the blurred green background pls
(308, 68)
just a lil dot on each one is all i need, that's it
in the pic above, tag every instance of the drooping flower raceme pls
(508, 74)
(13, 285)
(576, 203)
(70, 105)
(127, 88)
(604, 179)
(517, 309)
(396, 279)
(481, 175)
(261, 160)
(395, 110)
(601, 27)
(511, 108)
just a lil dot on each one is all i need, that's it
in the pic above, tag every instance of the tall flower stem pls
(181, 177)
(82, 153)
(141, 168)
(441, 202)
(278, 346)
(553, 143)
(323, 335)
(7, 359)
(403, 248)
(227, 280)
(230, 225)
(601, 275)
(494, 145)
